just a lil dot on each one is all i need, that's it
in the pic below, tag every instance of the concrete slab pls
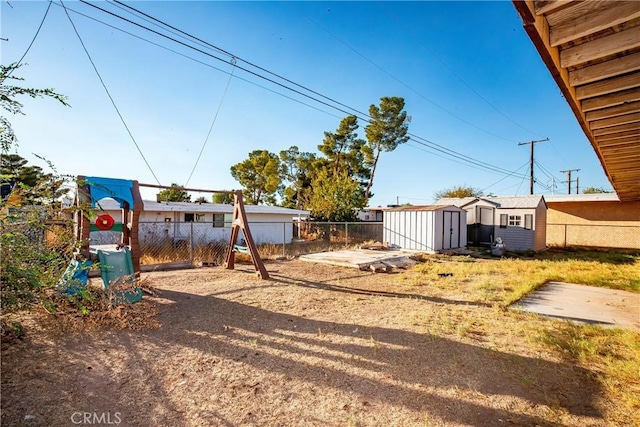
(585, 304)
(360, 258)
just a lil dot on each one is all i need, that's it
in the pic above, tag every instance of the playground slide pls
(116, 267)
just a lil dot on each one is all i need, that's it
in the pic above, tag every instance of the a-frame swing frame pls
(239, 222)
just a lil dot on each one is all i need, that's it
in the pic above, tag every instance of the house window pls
(167, 220)
(515, 220)
(222, 220)
(199, 217)
(189, 217)
(528, 222)
(503, 220)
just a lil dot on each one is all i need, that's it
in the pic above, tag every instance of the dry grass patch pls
(506, 280)
(320, 345)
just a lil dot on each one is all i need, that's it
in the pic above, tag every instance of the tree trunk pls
(370, 183)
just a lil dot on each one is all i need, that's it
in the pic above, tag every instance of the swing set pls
(127, 193)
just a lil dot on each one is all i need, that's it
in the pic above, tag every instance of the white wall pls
(421, 230)
(265, 228)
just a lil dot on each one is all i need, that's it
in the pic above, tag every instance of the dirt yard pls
(314, 346)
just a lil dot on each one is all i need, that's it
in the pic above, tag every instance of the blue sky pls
(472, 81)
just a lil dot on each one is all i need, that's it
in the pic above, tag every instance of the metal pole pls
(346, 234)
(531, 179)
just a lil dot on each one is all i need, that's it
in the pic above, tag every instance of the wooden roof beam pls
(616, 129)
(604, 70)
(605, 101)
(585, 18)
(622, 142)
(615, 121)
(550, 6)
(618, 110)
(605, 87)
(601, 48)
(630, 134)
(629, 150)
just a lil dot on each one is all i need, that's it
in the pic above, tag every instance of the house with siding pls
(201, 223)
(520, 221)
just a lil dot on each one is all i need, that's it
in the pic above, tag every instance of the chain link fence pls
(589, 235)
(203, 243)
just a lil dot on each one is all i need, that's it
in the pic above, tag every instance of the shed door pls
(451, 230)
(485, 226)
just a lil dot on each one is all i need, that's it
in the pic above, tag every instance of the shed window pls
(199, 217)
(189, 217)
(503, 220)
(515, 220)
(528, 222)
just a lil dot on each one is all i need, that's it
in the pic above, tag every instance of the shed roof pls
(503, 202)
(420, 208)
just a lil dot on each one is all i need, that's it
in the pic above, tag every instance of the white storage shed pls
(429, 228)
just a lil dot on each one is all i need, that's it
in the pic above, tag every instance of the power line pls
(46, 12)
(505, 177)
(407, 86)
(224, 94)
(432, 53)
(237, 57)
(108, 93)
(199, 61)
(419, 140)
(230, 63)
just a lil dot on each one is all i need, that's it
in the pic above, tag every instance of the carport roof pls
(592, 49)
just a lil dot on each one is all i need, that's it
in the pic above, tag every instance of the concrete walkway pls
(585, 304)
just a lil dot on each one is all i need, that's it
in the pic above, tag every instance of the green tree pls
(344, 151)
(260, 175)
(173, 194)
(8, 102)
(335, 197)
(386, 130)
(297, 171)
(594, 190)
(223, 198)
(29, 184)
(458, 191)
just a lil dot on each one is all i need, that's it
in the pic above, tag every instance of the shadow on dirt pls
(412, 364)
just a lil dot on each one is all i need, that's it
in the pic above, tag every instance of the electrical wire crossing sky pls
(178, 92)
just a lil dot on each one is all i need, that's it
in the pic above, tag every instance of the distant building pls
(520, 221)
(371, 214)
(203, 223)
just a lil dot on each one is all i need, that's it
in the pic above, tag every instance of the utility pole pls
(532, 143)
(569, 181)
